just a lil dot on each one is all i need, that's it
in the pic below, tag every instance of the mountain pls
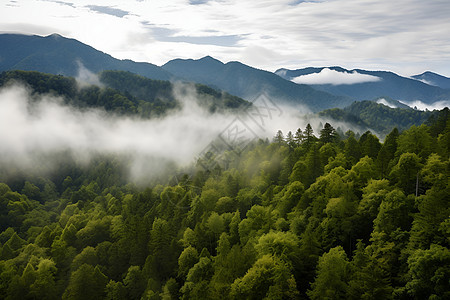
(373, 84)
(434, 79)
(149, 90)
(247, 82)
(121, 92)
(370, 115)
(55, 54)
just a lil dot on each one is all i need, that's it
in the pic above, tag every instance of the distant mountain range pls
(247, 82)
(434, 79)
(373, 84)
(55, 54)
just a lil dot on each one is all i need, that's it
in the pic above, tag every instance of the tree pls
(298, 137)
(361, 173)
(352, 148)
(268, 278)
(291, 196)
(406, 172)
(332, 276)
(134, 282)
(313, 164)
(328, 134)
(308, 136)
(387, 152)
(86, 282)
(44, 285)
(393, 213)
(429, 223)
(196, 285)
(428, 273)
(170, 290)
(280, 244)
(367, 211)
(215, 224)
(415, 140)
(290, 140)
(369, 280)
(299, 172)
(279, 138)
(115, 290)
(370, 145)
(162, 259)
(188, 258)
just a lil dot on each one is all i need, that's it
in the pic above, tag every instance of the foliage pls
(325, 218)
(380, 118)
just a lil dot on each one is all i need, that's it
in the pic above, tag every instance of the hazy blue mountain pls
(434, 79)
(55, 54)
(389, 85)
(247, 82)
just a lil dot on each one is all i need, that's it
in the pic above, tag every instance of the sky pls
(404, 36)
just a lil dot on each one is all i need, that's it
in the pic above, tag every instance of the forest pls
(120, 92)
(306, 215)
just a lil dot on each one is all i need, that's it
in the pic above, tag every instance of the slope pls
(55, 54)
(388, 85)
(122, 92)
(434, 79)
(378, 117)
(247, 82)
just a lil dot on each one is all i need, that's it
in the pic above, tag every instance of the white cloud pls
(36, 130)
(328, 76)
(386, 103)
(417, 104)
(46, 126)
(86, 77)
(424, 81)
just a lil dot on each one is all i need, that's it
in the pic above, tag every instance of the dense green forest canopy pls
(308, 215)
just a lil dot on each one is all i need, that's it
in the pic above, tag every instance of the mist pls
(35, 130)
(417, 104)
(329, 76)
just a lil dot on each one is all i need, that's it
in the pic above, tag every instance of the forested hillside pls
(121, 92)
(379, 117)
(308, 215)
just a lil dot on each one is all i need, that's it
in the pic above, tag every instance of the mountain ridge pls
(247, 82)
(389, 85)
(56, 54)
(433, 79)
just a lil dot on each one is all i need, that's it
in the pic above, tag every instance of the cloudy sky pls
(404, 36)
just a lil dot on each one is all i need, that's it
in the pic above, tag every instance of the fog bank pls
(35, 129)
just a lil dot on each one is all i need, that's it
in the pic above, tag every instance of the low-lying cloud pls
(36, 128)
(36, 132)
(386, 103)
(85, 77)
(328, 76)
(417, 104)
